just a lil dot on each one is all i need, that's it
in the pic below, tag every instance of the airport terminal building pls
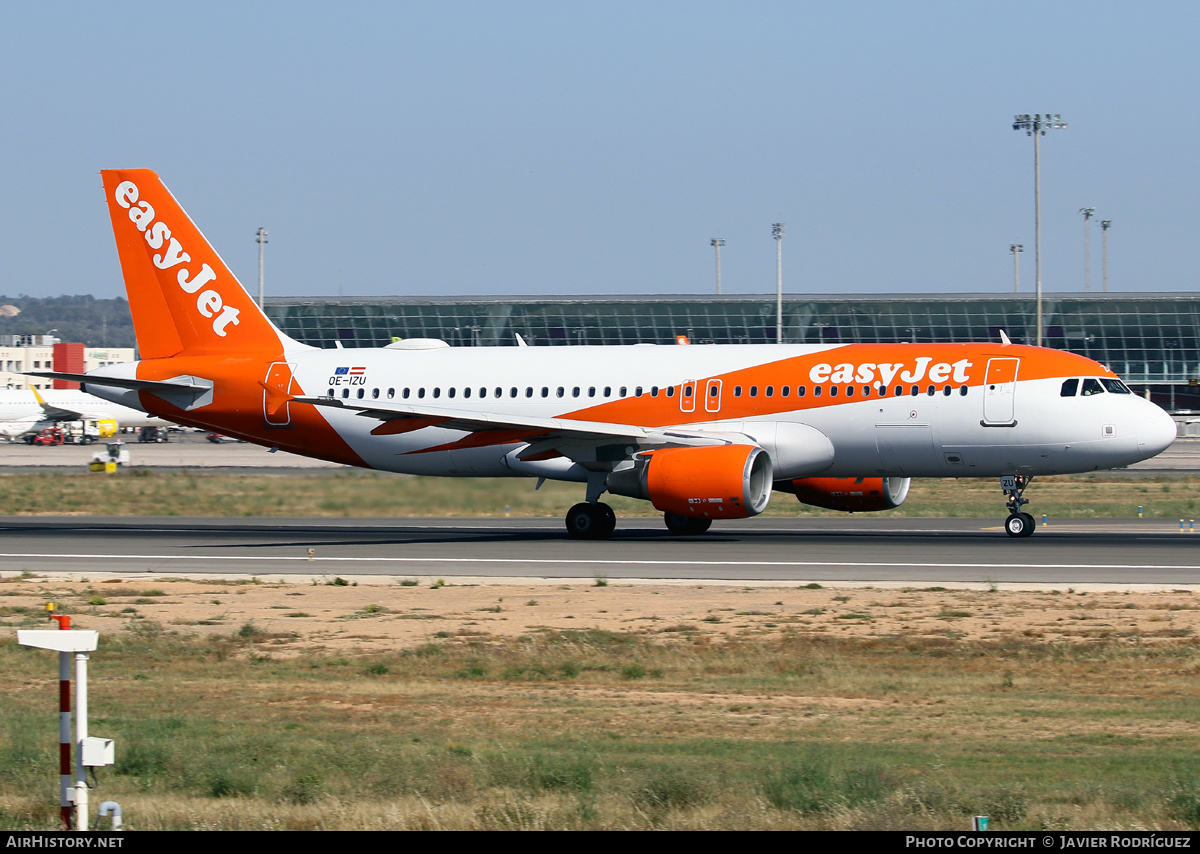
(1152, 340)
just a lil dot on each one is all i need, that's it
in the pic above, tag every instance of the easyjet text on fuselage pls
(885, 372)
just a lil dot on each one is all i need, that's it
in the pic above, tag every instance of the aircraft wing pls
(59, 413)
(62, 413)
(543, 434)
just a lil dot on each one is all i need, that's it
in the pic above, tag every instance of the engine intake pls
(712, 482)
(849, 494)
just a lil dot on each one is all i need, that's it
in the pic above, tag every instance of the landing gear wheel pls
(590, 521)
(686, 525)
(1019, 525)
(608, 520)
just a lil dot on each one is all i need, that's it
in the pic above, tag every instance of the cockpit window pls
(1069, 388)
(1116, 386)
(1091, 386)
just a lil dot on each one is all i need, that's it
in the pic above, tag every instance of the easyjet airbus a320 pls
(702, 432)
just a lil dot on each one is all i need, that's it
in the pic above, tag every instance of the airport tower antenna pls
(717, 243)
(777, 230)
(1016, 249)
(262, 240)
(1104, 226)
(1088, 213)
(1036, 126)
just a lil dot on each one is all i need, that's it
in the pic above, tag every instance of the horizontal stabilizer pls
(173, 386)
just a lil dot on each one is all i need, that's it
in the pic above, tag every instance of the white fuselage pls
(968, 428)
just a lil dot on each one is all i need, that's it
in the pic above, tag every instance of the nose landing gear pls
(1018, 523)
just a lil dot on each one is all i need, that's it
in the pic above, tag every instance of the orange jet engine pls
(849, 494)
(711, 482)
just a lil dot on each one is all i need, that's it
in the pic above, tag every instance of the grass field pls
(803, 714)
(353, 493)
(769, 717)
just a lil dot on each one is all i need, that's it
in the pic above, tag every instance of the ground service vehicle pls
(702, 432)
(49, 436)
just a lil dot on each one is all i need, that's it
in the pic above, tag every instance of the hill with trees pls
(94, 322)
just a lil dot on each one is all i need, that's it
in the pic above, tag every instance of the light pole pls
(1016, 249)
(717, 243)
(1088, 213)
(777, 232)
(1104, 225)
(262, 239)
(1036, 126)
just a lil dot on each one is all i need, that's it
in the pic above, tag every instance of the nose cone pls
(1155, 431)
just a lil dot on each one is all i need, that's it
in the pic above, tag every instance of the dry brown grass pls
(370, 494)
(620, 707)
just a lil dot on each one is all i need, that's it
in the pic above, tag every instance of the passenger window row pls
(850, 391)
(498, 392)
(591, 392)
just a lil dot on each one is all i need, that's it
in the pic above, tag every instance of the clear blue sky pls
(460, 148)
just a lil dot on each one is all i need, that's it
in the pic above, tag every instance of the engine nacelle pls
(711, 482)
(850, 494)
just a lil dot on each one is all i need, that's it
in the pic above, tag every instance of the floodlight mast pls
(717, 243)
(1087, 213)
(777, 230)
(261, 239)
(1036, 126)
(1016, 249)
(1105, 224)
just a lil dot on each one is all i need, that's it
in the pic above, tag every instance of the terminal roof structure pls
(1146, 338)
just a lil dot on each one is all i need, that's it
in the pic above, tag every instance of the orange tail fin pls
(183, 298)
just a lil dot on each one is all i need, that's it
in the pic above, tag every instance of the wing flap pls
(476, 421)
(587, 442)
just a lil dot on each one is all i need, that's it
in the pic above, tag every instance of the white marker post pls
(64, 642)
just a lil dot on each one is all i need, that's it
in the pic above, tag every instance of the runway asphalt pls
(854, 550)
(859, 549)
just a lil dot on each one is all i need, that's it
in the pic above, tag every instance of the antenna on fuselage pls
(1004, 338)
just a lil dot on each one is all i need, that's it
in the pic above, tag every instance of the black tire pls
(1031, 525)
(683, 526)
(1018, 525)
(608, 520)
(590, 521)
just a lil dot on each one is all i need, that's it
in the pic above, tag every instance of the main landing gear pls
(1018, 523)
(597, 521)
(591, 521)
(686, 525)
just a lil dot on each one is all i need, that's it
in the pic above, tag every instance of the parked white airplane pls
(703, 432)
(25, 411)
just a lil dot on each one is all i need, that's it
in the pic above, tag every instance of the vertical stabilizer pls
(184, 300)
